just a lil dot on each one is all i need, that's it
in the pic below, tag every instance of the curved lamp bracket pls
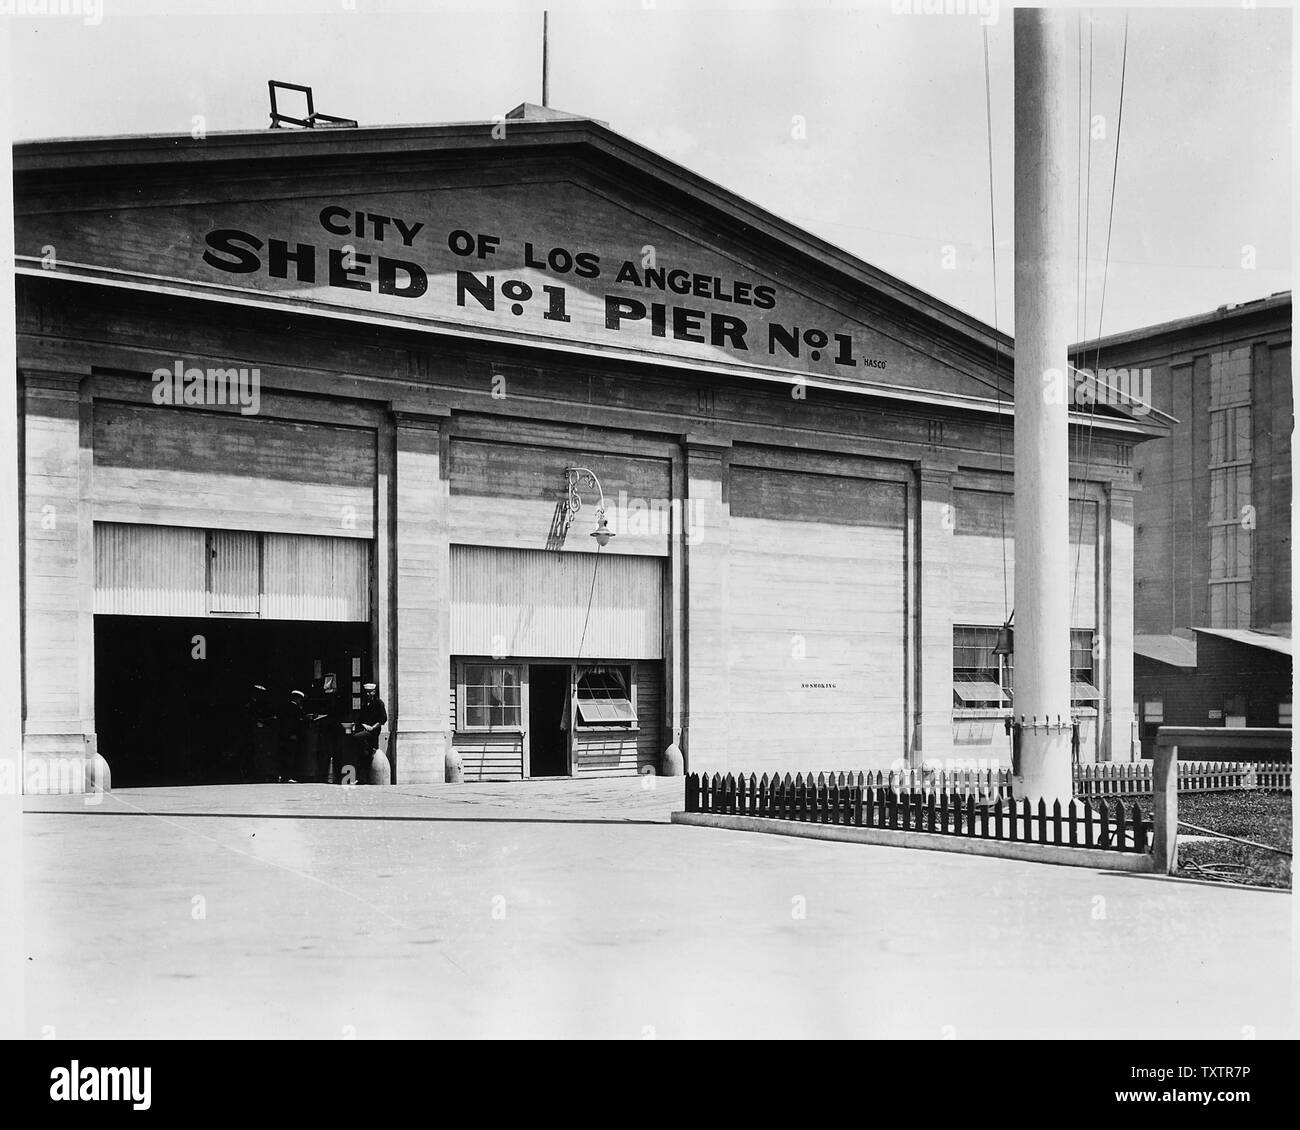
(575, 479)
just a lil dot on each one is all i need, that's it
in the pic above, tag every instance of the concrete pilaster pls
(58, 583)
(707, 637)
(933, 617)
(420, 672)
(1117, 627)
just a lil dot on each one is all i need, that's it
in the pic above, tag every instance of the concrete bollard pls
(381, 773)
(453, 767)
(98, 776)
(674, 763)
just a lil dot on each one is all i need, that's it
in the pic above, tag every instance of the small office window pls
(492, 697)
(1082, 656)
(1083, 669)
(980, 678)
(606, 697)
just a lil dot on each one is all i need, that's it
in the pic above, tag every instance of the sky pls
(864, 125)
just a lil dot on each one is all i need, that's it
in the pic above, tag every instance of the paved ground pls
(557, 909)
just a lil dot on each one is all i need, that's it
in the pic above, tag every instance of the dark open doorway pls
(548, 730)
(172, 694)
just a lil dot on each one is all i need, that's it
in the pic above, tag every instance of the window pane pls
(1218, 432)
(1218, 502)
(972, 653)
(493, 695)
(1081, 655)
(1243, 551)
(1218, 552)
(1241, 447)
(604, 696)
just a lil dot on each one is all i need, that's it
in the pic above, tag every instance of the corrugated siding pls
(534, 603)
(150, 570)
(486, 757)
(310, 578)
(235, 574)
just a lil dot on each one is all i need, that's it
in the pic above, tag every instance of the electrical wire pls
(595, 572)
(997, 357)
(1101, 312)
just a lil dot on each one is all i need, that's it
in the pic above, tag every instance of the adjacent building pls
(1212, 533)
(342, 405)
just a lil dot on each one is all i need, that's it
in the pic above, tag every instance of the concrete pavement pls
(572, 908)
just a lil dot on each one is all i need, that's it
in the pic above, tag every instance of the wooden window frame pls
(1003, 674)
(577, 670)
(462, 726)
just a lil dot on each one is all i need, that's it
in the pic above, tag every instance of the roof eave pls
(241, 146)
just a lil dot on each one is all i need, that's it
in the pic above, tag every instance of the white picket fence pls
(1112, 779)
(1104, 779)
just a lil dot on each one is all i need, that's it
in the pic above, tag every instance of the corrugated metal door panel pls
(150, 570)
(534, 603)
(817, 622)
(234, 571)
(316, 578)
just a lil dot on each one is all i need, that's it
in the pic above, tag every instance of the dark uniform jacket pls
(368, 714)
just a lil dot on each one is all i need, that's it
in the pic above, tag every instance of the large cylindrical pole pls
(1044, 314)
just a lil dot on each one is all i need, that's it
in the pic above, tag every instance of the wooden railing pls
(1138, 777)
(1108, 779)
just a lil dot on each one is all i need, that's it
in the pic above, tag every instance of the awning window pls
(604, 698)
(981, 691)
(1084, 692)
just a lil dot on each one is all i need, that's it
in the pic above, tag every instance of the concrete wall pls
(651, 430)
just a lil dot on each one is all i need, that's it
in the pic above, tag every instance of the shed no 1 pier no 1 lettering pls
(405, 274)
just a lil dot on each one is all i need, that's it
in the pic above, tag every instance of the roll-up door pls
(234, 572)
(150, 570)
(307, 578)
(817, 621)
(179, 571)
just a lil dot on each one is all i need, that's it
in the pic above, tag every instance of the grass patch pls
(1264, 817)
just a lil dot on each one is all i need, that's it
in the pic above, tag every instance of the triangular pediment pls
(551, 239)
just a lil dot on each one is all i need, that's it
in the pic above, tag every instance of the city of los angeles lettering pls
(396, 275)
